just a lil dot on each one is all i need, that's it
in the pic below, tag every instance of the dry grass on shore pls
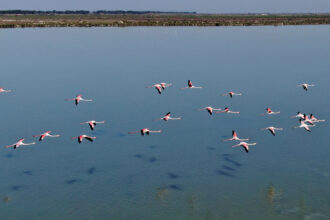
(124, 20)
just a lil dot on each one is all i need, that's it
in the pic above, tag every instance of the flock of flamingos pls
(305, 121)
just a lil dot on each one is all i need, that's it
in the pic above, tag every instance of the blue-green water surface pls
(187, 171)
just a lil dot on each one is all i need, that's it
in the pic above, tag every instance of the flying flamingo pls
(168, 117)
(83, 136)
(157, 86)
(3, 90)
(92, 123)
(231, 94)
(305, 86)
(79, 98)
(235, 138)
(244, 145)
(226, 110)
(272, 129)
(191, 86)
(46, 134)
(270, 112)
(306, 119)
(298, 115)
(164, 85)
(313, 119)
(303, 125)
(210, 109)
(19, 143)
(145, 131)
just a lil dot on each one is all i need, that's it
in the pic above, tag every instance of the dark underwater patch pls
(224, 173)
(72, 181)
(91, 170)
(152, 159)
(175, 187)
(28, 172)
(173, 175)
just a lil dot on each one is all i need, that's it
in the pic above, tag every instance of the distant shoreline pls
(24, 19)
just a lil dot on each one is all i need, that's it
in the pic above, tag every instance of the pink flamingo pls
(272, 129)
(79, 98)
(305, 86)
(81, 137)
(164, 85)
(209, 109)
(145, 131)
(235, 137)
(244, 145)
(46, 134)
(313, 119)
(3, 90)
(93, 123)
(191, 86)
(305, 126)
(270, 112)
(168, 117)
(231, 94)
(306, 119)
(226, 110)
(298, 115)
(158, 87)
(19, 143)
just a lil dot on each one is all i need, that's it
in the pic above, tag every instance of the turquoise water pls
(186, 172)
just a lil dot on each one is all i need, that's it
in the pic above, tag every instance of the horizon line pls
(147, 12)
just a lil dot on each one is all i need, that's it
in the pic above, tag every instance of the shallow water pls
(186, 172)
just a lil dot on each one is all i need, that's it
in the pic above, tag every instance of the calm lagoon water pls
(186, 172)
